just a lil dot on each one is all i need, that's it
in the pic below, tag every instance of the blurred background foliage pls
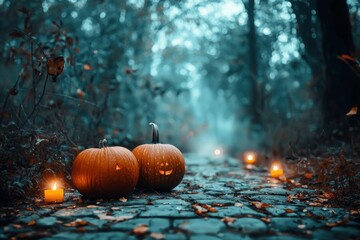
(235, 74)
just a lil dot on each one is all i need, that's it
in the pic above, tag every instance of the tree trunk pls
(254, 107)
(342, 90)
(308, 32)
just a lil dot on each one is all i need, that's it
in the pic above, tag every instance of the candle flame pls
(275, 167)
(54, 186)
(250, 157)
(217, 152)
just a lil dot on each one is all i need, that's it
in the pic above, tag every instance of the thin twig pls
(37, 104)
(6, 99)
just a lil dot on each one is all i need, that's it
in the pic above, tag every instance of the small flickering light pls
(250, 158)
(217, 152)
(276, 170)
(54, 195)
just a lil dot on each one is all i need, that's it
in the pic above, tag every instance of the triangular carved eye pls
(117, 167)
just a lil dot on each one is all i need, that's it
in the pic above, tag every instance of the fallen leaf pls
(157, 235)
(355, 212)
(80, 93)
(122, 199)
(228, 220)
(308, 175)
(260, 205)
(238, 204)
(28, 209)
(87, 67)
(329, 195)
(267, 220)
(17, 226)
(31, 223)
(112, 218)
(337, 223)
(353, 111)
(199, 210)
(140, 229)
(301, 226)
(289, 210)
(76, 223)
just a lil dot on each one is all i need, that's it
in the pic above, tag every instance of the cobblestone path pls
(217, 199)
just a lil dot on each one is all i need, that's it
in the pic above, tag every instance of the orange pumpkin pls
(162, 166)
(108, 172)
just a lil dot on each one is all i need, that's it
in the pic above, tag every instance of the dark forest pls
(86, 85)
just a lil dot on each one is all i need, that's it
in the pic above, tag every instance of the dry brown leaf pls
(77, 223)
(353, 111)
(157, 235)
(260, 205)
(329, 195)
(289, 210)
(122, 199)
(355, 212)
(337, 223)
(87, 67)
(199, 210)
(17, 226)
(110, 218)
(28, 209)
(308, 175)
(228, 220)
(140, 229)
(209, 208)
(31, 223)
(267, 220)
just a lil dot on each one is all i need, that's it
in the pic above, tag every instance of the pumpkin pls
(162, 166)
(105, 172)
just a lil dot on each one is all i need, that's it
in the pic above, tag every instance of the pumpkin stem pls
(155, 133)
(102, 143)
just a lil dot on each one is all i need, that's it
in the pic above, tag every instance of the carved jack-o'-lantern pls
(162, 166)
(108, 172)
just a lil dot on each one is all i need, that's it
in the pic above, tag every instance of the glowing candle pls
(54, 195)
(217, 152)
(250, 158)
(276, 170)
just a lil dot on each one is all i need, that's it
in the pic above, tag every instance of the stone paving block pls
(204, 237)
(171, 201)
(175, 236)
(234, 236)
(99, 223)
(46, 221)
(270, 199)
(275, 191)
(232, 211)
(201, 225)
(196, 197)
(167, 211)
(287, 224)
(249, 226)
(78, 212)
(283, 237)
(278, 210)
(26, 219)
(154, 224)
(337, 233)
(329, 214)
(89, 236)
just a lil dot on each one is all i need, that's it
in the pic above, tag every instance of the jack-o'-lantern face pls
(164, 169)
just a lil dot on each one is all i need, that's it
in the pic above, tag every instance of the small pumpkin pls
(105, 172)
(162, 166)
